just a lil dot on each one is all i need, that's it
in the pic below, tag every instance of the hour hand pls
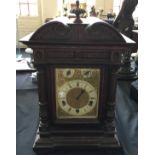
(80, 94)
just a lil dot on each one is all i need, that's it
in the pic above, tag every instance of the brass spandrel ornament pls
(77, 92)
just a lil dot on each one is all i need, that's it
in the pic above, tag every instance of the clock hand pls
(80, 94)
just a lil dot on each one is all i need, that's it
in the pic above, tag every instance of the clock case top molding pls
(60, 43)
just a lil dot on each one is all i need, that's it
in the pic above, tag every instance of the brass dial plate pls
(77, 92)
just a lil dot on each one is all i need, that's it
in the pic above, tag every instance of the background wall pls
(106, 5)
(26, 25)
(47, 9)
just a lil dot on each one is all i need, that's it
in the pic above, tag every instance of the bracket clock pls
(76, 65)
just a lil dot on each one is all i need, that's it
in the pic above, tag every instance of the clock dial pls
(77, 92)
(86, 73)
(77, 97)
(68, 73)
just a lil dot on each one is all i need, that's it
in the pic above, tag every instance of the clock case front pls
(61, 43)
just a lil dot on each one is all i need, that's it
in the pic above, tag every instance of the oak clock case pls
(77, 93)
(77, 65)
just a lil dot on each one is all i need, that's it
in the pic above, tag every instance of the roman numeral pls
(77, 110)
(63, 103)
(77, 84)
(92, 98)
(90, 103)
(69, 85)
(91, 91)
(69, 109)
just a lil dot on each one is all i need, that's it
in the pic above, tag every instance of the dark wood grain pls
(70, 45)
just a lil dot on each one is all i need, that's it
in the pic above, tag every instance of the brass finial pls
(77, 12)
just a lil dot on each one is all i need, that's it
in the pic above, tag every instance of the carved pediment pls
(54, 30)
(63, 31)
(104, 32)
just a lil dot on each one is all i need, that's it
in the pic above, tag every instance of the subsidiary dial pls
(68, 73)
(86, 73)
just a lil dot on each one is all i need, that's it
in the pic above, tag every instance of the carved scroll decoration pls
(53, 30)
(101, 31)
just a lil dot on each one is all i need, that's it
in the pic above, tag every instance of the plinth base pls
(46, 145)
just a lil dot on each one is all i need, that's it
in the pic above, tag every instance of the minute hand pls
(81, 93)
